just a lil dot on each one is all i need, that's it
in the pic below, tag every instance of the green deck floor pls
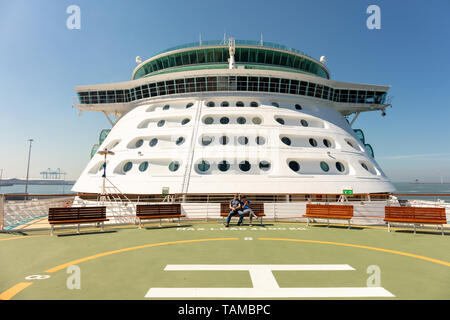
(126, 262)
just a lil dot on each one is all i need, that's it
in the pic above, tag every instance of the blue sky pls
(41, 61)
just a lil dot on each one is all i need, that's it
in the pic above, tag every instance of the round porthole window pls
(304, 123)
(174, 165)
(224, 140)
(239, 104)
(224, 120)
(279, 120)
(254, 104)
(326, 143)
(294, 166)
(298, 107)
(340, 167)
(166, 107)
(206, 140)
(275, 104)
(364, 166)
(313, 142)
(203, 166)
(139, 143)
(241, 120)
(210, 104)
(143, 166)
(286, 141)
(324, 166)
(190, 104)
(224, 104)
(256, 120)
(185, 121)
(243, 140)
(127, 167)
(223, 166)
(264, 165)
(208, 120)
(260, 140)
(180, 141)
(245, 166)
(153, 142)
(161, 123)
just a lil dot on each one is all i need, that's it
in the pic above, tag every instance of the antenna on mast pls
(232, 50)
(200, 38)
(261, 41)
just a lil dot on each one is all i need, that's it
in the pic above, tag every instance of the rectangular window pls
(284, 86)
(253, 84)
(294, 87)
(269, 57)
(311, 89)
(211, 83)
(244, 55)
(218, 55)
(201, 84)
(352, 96)
(319, 88)
(297, 61)
(274, 85)
(180, 85)
(283, 60)
(252, 55)
(261, 56)
(170, 85)
(178, 60)
(361, 96)
(370, 97)
(303, 85)
(325, 92)
(343, 96)
(145, 93)
(232, 83)
(161, 88)
(210, 53)
(264, 84)
(222, 84)
(201, 56)
(242, 83)
(152, 87)
(276, 58)
(190, 85)
(193, 57)
(83, 97)
(138, 93)
(379, 97)
(93, 97)
(120, 96)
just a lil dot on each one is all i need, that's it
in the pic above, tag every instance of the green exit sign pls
(347, 191)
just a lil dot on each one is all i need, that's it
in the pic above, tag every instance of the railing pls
(253, 43)
(19, 215)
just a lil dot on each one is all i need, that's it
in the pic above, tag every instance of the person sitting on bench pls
(235, 208)
(246, 209)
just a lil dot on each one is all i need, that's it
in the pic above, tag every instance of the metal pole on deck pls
(28, 168)
(2, 212)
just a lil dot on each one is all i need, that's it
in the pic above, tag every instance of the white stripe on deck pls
(249, 267)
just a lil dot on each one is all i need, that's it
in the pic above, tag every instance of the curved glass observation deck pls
(215, 54)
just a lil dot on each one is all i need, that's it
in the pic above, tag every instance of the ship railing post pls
(2, 212)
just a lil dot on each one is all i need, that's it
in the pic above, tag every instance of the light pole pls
(1, 176)
(28, 167)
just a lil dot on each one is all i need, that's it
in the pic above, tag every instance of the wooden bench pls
(415, 215)
(76, 215)
(257, 207)
(158, 211)
(329, 211)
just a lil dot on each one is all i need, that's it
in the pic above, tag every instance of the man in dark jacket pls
(235, 208)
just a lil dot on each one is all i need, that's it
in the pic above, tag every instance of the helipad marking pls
(11, 292)
(445, 263)
(264, 284)
(99, 255)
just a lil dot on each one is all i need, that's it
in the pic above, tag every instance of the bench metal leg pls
(160, 221)
(389, 226)
(261, 220)
(307, 222)
(414, 228)
(51, 230)
(78, 228)
(349, 224)
(140, 223)
(328, 222)
(178, 221)
(103, 226)
(442, 229)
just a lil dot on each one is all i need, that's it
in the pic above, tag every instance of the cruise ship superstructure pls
(233, 116)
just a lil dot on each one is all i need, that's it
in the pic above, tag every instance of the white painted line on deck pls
(248, 267)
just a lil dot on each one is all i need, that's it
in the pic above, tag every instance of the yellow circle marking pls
(11, 292)
(103, 254)
(444, 263)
